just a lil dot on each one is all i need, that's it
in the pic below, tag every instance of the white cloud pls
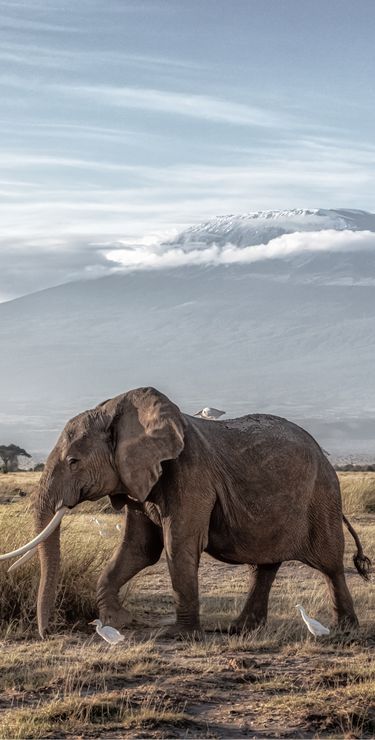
(26, 24)
(13, 160)
(40, 55)
(202, 106)
(282, 247)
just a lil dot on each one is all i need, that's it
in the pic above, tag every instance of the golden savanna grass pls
(275, 682)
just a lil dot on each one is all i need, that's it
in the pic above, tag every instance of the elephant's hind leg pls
(254, 612)
(330, 562)
(141, 546)
(325, 551)
(343, 607)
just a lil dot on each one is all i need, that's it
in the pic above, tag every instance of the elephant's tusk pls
(55, 521)
(27, 556)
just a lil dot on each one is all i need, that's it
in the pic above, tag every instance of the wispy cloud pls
(203, 107)
(40, 55)
(116, 200)
(77, 132)
(26, 24)
(14, 160)
(37, 56)
(150, 61)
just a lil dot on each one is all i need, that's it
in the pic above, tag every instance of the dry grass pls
(358, 492)
(82, 687)
(275, 682)
(12, 483)
(78, 716)
(82, 561)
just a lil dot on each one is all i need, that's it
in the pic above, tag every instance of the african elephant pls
(255, 490)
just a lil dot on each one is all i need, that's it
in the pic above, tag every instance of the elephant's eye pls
(72, 461)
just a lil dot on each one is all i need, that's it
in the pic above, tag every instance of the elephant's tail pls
(360, 560)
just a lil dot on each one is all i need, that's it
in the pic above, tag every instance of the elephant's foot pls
(119, 618)
(246, 624)
(345, 624)
(180, 631)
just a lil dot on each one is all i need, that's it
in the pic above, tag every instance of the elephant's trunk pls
(49, 556)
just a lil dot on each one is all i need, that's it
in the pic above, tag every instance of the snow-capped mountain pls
(290, 333)
(325, 246)
(260, 227)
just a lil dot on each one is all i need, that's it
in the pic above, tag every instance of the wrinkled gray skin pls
(255, 490)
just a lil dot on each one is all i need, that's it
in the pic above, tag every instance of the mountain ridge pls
(261, 226)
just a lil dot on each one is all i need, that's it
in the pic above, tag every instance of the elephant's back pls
(270, 427)
(262, 444)
(275, 443)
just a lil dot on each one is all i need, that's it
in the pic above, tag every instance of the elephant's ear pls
(149, 429)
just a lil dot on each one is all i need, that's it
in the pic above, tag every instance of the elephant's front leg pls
(141, 546)
(183, 555)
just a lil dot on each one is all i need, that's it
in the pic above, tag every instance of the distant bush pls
(39, 468)
(9, 455)
(352, 468)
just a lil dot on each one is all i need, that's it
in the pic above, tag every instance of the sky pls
(123, 122)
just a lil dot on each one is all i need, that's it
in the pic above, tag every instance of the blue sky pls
(124, 121)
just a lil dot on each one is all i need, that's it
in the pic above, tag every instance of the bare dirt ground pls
(277, 682)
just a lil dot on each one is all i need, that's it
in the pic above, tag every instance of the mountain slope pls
(290, 333)
(218, 336)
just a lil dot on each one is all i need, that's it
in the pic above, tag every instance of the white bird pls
(210, 413)
(312, 625)
(102, 530)
(109, 634)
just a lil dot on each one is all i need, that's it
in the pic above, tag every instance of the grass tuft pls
(84, 554)
(116, 711)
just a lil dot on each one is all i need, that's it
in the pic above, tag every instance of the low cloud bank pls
(153, 256)
(25, 270)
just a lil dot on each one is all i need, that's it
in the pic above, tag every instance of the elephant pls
(256, 490)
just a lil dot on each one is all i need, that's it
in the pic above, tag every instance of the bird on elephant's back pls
(256, 490)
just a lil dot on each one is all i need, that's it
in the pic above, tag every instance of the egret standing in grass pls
(109, 634)
(102, 530)
(210, 413)
(312, 625)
